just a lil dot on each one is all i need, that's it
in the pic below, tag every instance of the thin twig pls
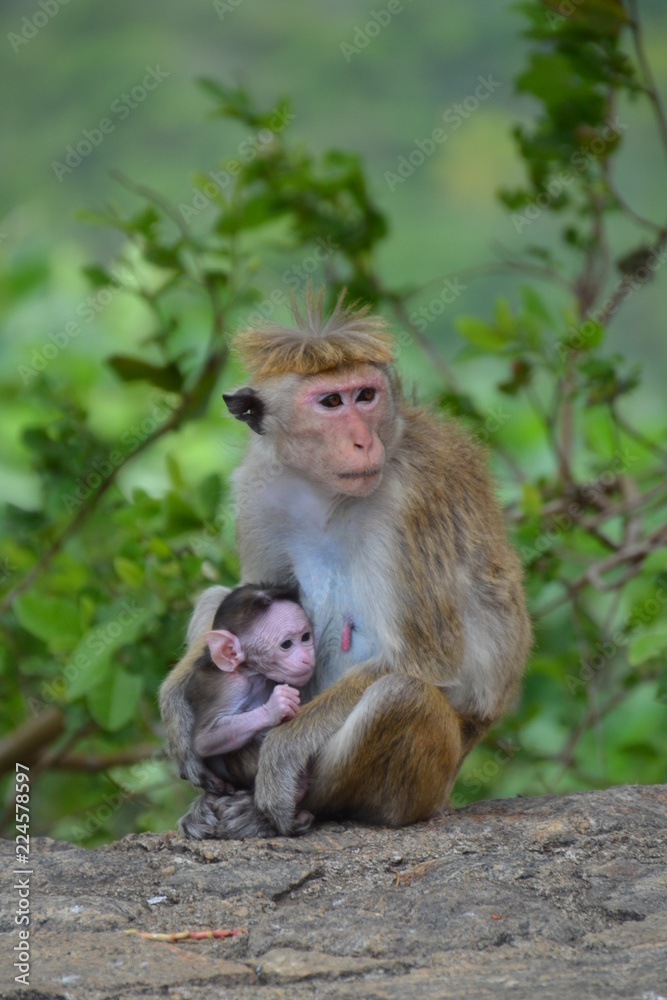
(102, 762)
(650, 86)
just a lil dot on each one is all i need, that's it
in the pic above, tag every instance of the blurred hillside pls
(377, 94)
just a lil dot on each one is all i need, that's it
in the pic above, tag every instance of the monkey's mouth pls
(364, 474)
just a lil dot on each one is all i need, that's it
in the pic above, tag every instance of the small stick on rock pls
(187, 935)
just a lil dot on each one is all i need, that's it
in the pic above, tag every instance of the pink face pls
(336, 427)
(282, 644)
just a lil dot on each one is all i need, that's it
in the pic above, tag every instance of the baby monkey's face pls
(281, 646)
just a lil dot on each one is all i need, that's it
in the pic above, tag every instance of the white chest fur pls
(344, 569)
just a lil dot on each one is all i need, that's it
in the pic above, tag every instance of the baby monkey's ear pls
(225, 649)
(247, 405)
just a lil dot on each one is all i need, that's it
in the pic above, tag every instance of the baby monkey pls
(260, 650)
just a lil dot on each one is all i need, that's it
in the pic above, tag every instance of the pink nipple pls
(346, 635)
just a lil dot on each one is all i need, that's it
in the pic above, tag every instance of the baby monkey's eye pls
(287, 644)
(366, 395)
(305, 637)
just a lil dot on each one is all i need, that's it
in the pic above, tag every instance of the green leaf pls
(175, 474)
(531, 500)
(168, 377)
(113, 702)
(54, 620)
(181, 515)
(97, 276)
(648, 645)
(145, 221)
(656, 562)
(481, 334)
(164, 256)
(505, 320)
(125, 620)
(534, 306)
(591, 334)
(129, 572)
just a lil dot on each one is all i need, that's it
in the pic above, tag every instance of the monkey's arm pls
(226, 732)
(229, 732)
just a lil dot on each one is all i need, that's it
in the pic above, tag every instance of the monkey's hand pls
(283, 704)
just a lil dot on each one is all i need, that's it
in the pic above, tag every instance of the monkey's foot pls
(233, 817)
(199, 822)
(239, 818)
(302, 822)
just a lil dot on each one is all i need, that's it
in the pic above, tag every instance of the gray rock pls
(561, 897)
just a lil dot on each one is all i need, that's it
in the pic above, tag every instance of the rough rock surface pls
(554, 897)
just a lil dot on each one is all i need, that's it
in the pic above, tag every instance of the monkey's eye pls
(332, 400)
(287, 644)
(305, 637)
(366, 395)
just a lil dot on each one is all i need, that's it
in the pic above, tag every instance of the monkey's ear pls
(225, 649)
(247, 405)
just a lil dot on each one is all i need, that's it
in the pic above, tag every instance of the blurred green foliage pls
(98, 573)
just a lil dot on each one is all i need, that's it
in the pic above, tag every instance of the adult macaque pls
(259, 652)
(386, 519)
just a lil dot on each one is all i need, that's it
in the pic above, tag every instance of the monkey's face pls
(281, 645)
(337, 428)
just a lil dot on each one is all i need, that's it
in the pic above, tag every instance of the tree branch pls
(103, 761)
(27, 741)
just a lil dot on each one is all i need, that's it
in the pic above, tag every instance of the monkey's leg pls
(395, 758)
(199, 822)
